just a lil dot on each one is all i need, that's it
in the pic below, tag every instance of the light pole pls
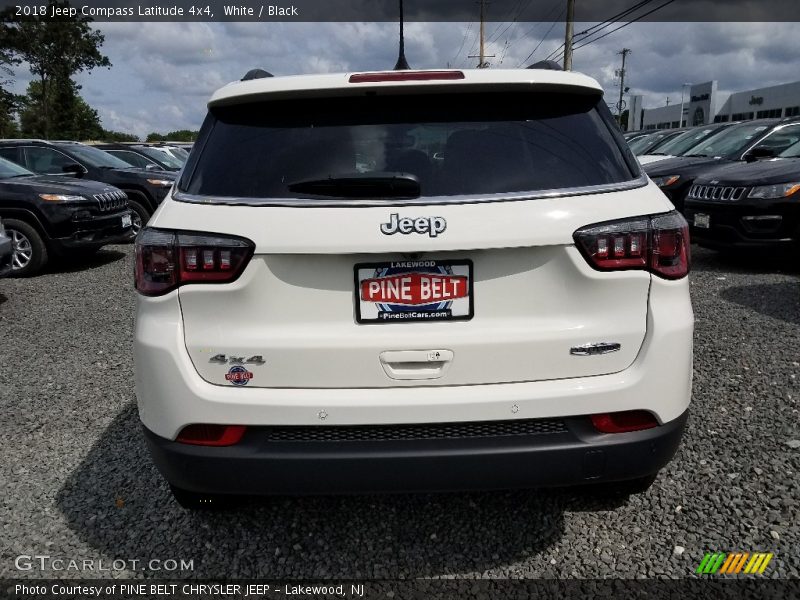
(680, 119)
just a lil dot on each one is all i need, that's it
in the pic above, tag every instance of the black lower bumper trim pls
(259, 466)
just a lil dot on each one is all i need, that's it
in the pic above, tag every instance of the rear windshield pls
(451, 144)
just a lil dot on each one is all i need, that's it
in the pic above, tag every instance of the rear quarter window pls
(454, 144)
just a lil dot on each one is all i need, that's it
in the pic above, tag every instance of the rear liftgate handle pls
(416, 364)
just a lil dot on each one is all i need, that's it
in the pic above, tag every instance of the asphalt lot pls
(77, 481)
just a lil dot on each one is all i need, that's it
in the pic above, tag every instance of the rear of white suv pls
(414, 280)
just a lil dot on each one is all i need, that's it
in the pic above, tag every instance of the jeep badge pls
(433, 226)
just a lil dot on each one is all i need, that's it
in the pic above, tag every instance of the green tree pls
(8, 106)
(72, 117)
(8, 100)
(55, 50)
(119, 136)
(180, 135)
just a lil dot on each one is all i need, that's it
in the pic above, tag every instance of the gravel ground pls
(77, 481)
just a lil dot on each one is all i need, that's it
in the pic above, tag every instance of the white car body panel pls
(659, 381)
(524, 331)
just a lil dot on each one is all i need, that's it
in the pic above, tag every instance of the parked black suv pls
(6, 251)
(145, 189)
(753, 206)
(747, 141)
(142, 156)
(47, 215)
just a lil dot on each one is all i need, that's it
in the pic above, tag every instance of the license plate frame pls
(702, 220)
(368, 312)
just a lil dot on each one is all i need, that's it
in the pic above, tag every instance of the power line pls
(639, 18)
(553, 24)
(463, 41)
(558, 53)
(616, 17)
(510, 13)
(556, 5)
(521, 9)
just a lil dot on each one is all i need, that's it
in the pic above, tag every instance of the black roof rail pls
(549, 65)
(256, 74)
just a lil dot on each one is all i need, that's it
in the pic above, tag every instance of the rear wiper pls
(361, 185)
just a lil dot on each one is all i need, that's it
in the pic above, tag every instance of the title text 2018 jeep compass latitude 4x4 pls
(371, 282)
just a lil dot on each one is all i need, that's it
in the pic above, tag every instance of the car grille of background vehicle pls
(111, 201)
(716, 192)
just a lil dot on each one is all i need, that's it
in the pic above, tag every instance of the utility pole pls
(568, 35)
(482, 56)
(621, 104)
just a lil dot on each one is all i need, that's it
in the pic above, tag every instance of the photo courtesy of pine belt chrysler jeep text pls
(368, 282)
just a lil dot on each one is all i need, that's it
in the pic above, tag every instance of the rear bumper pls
(577, 454)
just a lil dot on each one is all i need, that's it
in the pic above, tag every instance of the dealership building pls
(703, 104)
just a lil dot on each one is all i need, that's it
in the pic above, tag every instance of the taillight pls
(623, 422)
(211, 435)
(658, 243)
(379, 77)
(167, 259)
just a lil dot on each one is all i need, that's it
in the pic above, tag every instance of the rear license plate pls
(702, 220)
(126, 221)
(413, 290)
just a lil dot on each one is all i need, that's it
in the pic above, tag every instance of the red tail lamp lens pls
(211, 435)
(167, 259)
(405, 76)
(622, 422)
(659, 244)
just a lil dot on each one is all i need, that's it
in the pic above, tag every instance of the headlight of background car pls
(780, 190)
(160, 182)
(666, 180)
(61, 198)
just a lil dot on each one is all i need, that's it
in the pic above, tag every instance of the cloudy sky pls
(163, 73)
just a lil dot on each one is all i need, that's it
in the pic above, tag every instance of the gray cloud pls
(163, 73)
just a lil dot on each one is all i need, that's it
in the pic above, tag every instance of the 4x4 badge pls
(433, 226)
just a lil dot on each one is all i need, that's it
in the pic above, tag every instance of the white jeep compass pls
(411, 280)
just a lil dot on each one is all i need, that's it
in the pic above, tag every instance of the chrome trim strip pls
(632, 184)
(763, 218)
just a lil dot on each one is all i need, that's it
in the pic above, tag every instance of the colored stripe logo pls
(734, 563)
